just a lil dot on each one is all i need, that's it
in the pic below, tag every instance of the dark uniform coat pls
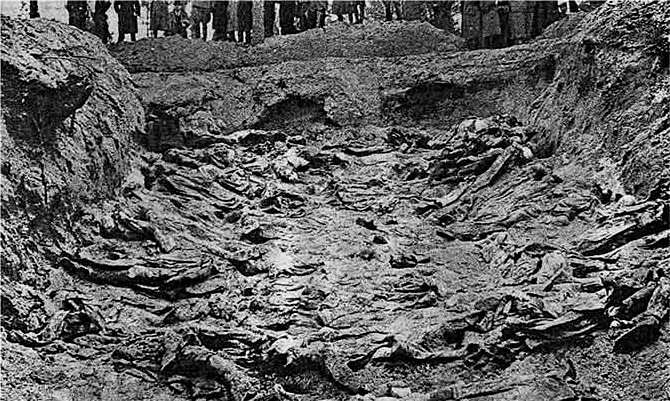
(471, 25)
(100, 25)
(244, 20)
(128, 10)
(77, 13)
(158, 15)
(521, 20)
(220, 16)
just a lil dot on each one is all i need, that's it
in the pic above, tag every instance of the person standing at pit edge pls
(128, 11)
(390, 6)
(220, 19)
(100, 25)
(201, 14)
(359, 7)
(77, 13)
(158, 16)
(33, 10)
(287, 13)
(269, 16)
(244, 20)
(178, 20)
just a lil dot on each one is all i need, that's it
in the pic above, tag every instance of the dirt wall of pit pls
(608, 109)
(69, 115)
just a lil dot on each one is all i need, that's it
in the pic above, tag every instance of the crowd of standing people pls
(231, 20)
(502, 23)
(487, 23)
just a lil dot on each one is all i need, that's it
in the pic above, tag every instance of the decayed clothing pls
(127, 11)
(158, 15)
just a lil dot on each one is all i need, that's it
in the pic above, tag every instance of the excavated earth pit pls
(415, 222)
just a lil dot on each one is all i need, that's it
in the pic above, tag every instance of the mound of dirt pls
(373, 39)
(607, 111)
(69, 115)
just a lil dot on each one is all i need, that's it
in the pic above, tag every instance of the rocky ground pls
(486, 225)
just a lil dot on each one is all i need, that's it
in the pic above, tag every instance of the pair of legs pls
(245, 37)
(359, 11)
(201, 18)
(268, 18)
(309, 19)
(390, 7)
(286, 17)
(321, 23)
(220, 19)
(122, 37)
(242, 36)
(197, 27)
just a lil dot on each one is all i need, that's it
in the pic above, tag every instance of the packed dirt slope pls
(342, 40)
(488, 225)
(608, 102)
(68, 107)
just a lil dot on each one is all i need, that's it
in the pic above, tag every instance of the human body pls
(100, 25)
(128, 11)
(158, 16)
(220, 19)
(201, 14)
(391, 6)
(244, 20)
(77, 13)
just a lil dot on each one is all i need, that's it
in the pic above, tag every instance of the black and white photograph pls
(378, 200)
